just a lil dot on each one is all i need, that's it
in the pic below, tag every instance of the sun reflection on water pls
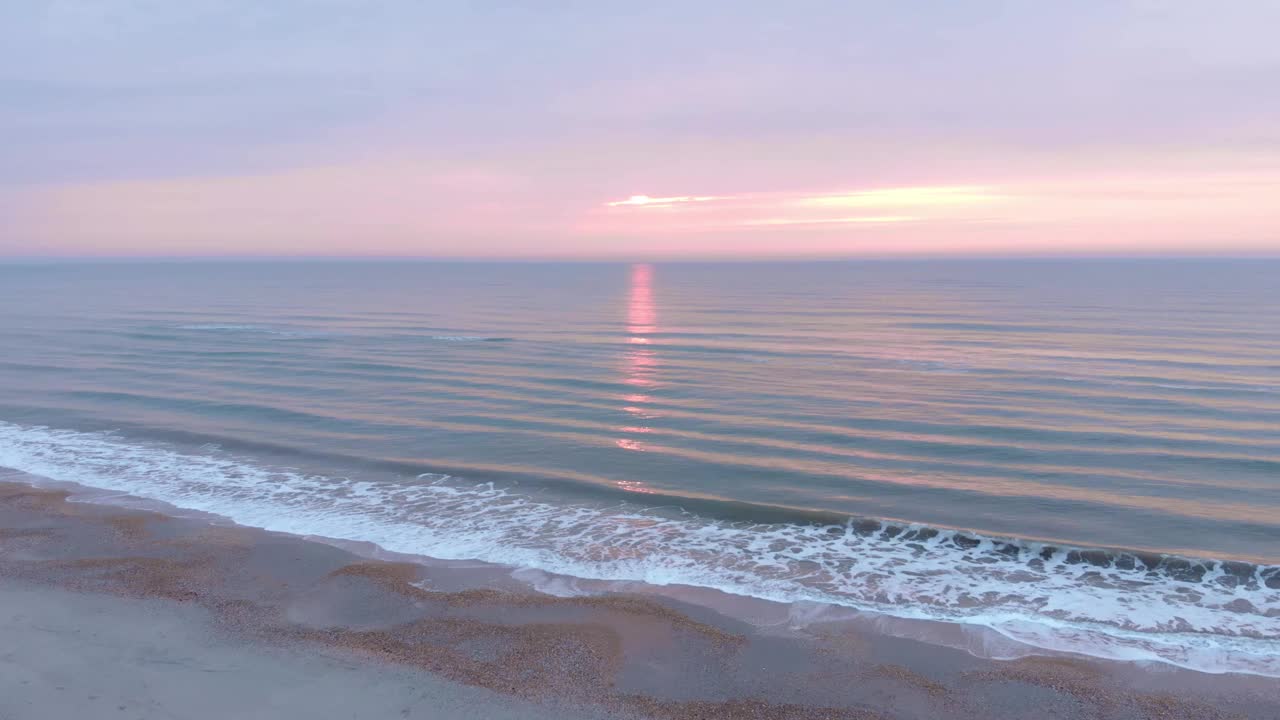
(640, 365)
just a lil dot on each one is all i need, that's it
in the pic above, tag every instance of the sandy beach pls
(87, 655)
(114, 612)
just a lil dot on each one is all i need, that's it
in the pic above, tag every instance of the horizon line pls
(900, 257)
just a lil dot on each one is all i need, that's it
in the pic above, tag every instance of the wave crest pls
(1210, 615)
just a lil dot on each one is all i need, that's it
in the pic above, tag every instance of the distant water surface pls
(1080, 454)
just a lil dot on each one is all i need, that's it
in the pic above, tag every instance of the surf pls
(1200, 613)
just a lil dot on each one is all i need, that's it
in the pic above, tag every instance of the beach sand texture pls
(114, 612)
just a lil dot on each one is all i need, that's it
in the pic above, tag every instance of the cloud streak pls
(909, 197)
(646, 201)
(791, 209)
(872, 219)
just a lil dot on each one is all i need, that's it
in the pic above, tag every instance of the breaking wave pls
(1204, 614)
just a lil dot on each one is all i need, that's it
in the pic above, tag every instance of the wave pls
(225, 327)
(1204, 614)
(233, 328)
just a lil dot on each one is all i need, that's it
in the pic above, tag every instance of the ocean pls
(1080, 455)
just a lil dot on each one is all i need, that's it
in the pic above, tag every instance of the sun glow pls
(646, 201)
(770, 222)
(916, 197)
(812, 209)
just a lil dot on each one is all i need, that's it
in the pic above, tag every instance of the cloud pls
(922, 197)
(1138, 212)
(776, 209)
(646, 201)
(878, 219)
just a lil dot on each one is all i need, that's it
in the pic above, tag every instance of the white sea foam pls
(1221, 619)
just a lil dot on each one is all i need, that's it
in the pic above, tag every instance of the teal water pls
(1081, 454)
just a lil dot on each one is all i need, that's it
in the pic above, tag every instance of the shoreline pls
(625, 653)
(996, 597)
(979, 639)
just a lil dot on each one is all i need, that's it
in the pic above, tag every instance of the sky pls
(637, 130)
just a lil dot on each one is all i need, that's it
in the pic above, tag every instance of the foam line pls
(1197, 613)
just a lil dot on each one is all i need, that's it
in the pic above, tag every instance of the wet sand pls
(89, 655)
(103, 607)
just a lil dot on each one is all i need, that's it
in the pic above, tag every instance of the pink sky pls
(859, 130)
